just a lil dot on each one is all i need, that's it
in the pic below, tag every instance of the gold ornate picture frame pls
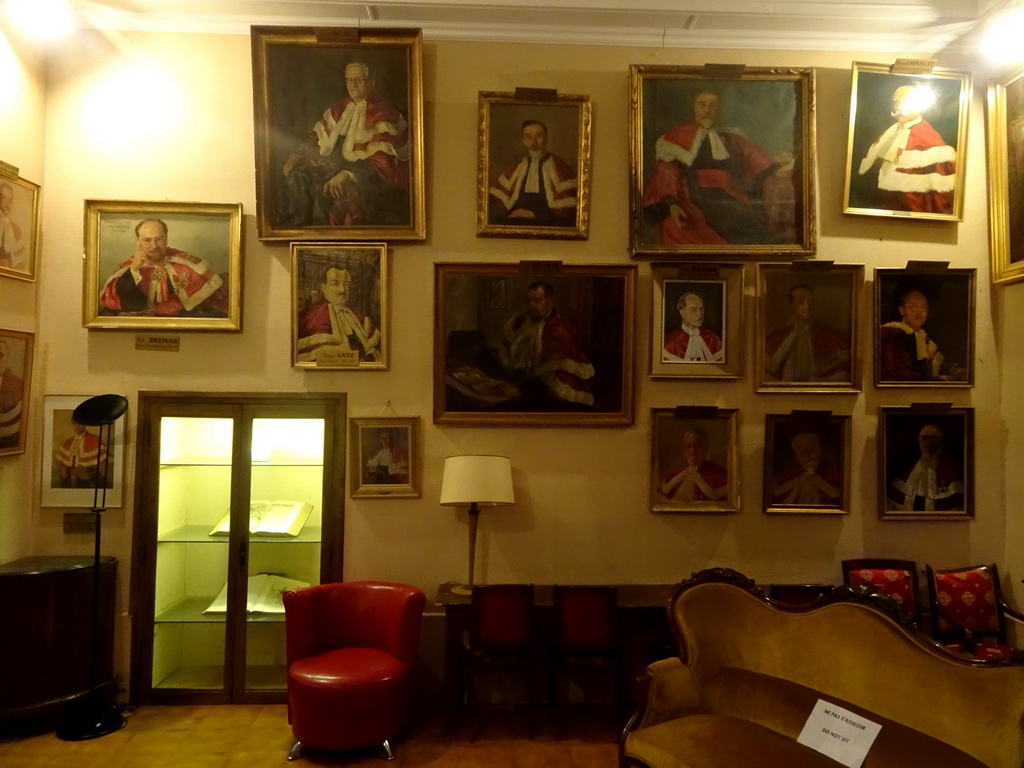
(384, 458)
(806, 463)
(907, 147)
(1006, 175)
(162, 265)
(19, 225)
(695, 459)
(697, 321)
(339, 133)
(16, 348)
(533, 170)
(340, 306)
(722, 162)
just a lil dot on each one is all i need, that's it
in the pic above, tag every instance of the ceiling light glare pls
(1001, 41)
(42, 19)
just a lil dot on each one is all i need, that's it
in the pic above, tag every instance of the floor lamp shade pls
(476, 481)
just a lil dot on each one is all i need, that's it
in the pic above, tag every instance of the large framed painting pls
(925, 326)
(926, 462)
(695, 459)
(722, 161)
(162, 265)
(807, 323)
(1006, 175)
(15, 378)
(384, 458)
(907, 142)
(340, 306)
(533, 171)
(533, 344)
(74, 457)
(339, 133)
(807, 463)
(19, 225)
(697, 321)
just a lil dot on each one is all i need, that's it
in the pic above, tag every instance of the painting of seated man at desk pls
(694, 466)
(542, 349)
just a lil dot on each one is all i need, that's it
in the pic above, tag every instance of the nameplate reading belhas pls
(158, 343)
(839, 733)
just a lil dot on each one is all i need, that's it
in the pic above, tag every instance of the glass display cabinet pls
(238, 497)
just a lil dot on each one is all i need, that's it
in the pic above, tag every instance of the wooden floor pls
(259, 737)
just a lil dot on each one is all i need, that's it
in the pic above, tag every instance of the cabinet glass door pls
(190, 619)
(286, 483)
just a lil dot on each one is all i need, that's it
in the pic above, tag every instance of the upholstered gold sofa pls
(751, 671)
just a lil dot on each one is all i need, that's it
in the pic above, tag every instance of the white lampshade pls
(482, 480)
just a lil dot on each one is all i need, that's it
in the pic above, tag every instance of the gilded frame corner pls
(1006, 175)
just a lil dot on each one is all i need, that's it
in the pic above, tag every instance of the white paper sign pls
(839, 733)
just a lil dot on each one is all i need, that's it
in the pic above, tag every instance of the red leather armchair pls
(351, 648)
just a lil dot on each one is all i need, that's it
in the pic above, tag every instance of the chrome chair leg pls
(387, 750)
(295, 751)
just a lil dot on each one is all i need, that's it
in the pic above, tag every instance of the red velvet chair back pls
(501, 618)
(585, 618)
(967, 597)
(895, 578)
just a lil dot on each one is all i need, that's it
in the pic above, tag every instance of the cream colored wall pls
(22, 115)
(147, 116)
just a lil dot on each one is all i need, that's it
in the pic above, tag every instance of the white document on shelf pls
(264, 592)
(839, 733)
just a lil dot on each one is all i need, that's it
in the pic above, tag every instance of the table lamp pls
(476, 481)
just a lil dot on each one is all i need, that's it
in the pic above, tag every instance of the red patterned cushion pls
(970, 598)
(896, 583)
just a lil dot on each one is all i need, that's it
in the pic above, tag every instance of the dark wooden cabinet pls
(45, 643)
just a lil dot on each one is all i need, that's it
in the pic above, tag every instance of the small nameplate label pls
(158, 343)
(839, 733)
(336, 357)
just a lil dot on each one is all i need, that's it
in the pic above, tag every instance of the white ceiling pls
(908, 26)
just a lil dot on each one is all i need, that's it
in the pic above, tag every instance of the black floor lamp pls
(88, 718)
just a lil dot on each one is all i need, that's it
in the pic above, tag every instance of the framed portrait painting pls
(697, 321)
(339, 133)
(384, 458)
(19, 225)
(74, 457)
(533, 172)
(722, 161)
(695, 459)
(907, 142)
(926, 463)
(533, 344)
(15, 378)
(807, 323)
(806, 463)
(925, 326)
(1006, 175)
(340, 306)
(161, 265)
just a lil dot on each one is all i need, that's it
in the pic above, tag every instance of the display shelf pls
(190, 611)
(254, 465)
(200, 534)
(194, 677)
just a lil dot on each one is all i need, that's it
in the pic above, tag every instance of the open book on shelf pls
(263, 594)
(270, 518)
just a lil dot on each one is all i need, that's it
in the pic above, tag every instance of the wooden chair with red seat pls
(969, 613)
(501, 641)
(895, 578)
(586, 641)
(350, 649)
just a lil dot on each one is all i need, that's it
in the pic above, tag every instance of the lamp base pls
(88, 719)
(462, 589)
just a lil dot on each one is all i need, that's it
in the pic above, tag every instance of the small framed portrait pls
(695, 459)
(806, 463)
(339, 133)
(156, 264)
(19, 225)
(15, 377)
(340, 307)
(75, 458)
(559, 351)
(533, 174)
(384, 458)
(1006, 175)
(722, 161)
(926, 462)
(697, 319)
(807, 322)
(907, 142)
(925, 321)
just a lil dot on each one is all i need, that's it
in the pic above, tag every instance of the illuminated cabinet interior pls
(239, 497)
